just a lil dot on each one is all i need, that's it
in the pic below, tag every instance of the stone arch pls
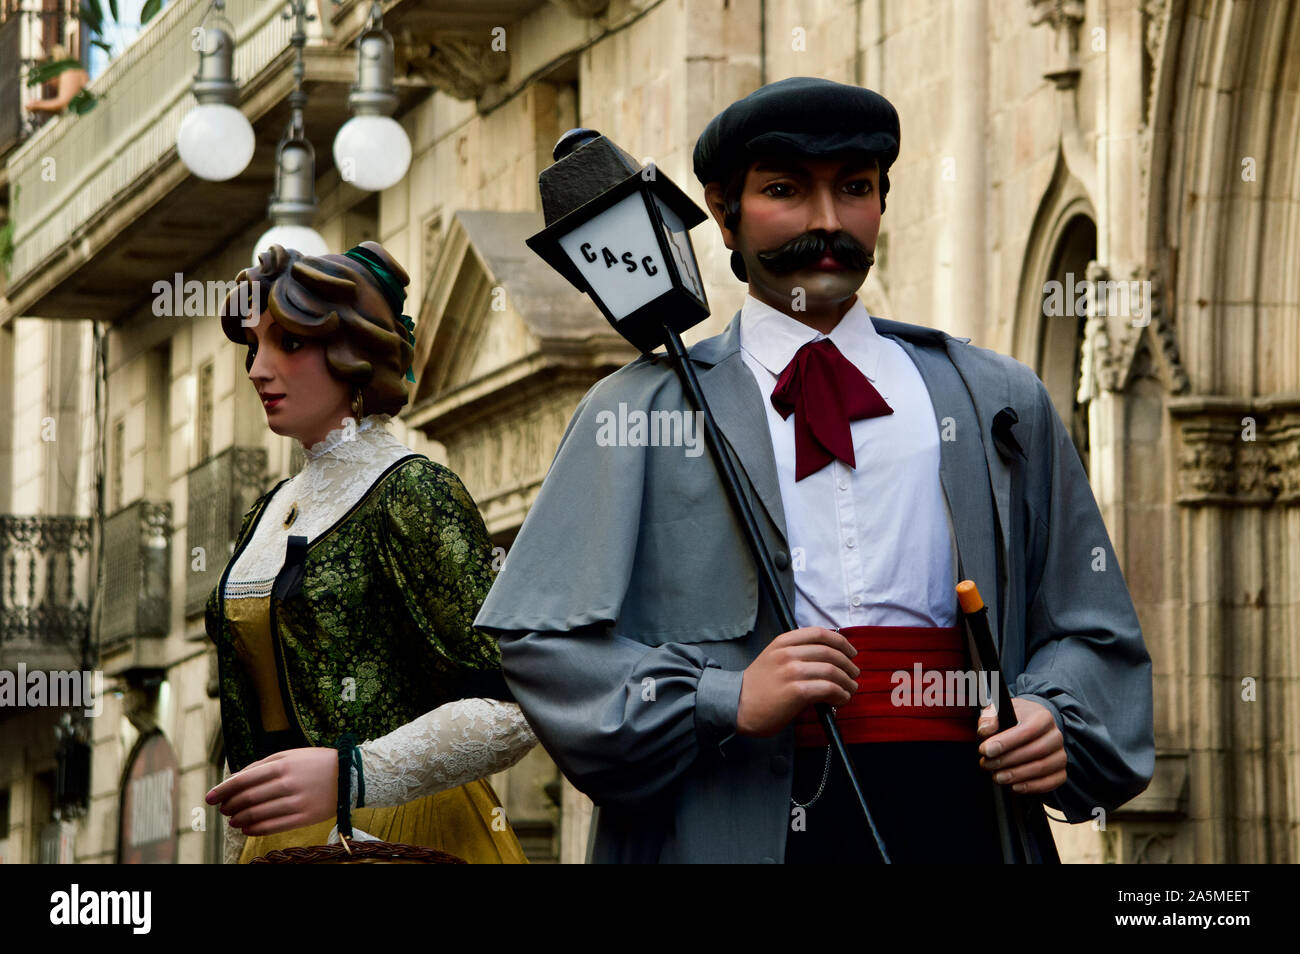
(1060, 357)
(1223, 228)
(1224, 213)
(1062, 243)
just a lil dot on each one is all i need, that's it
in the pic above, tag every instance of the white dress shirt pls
(870, 546)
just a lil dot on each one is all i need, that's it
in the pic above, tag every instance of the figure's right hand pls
(796, 670)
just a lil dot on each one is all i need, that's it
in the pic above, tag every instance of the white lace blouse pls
(454, 744)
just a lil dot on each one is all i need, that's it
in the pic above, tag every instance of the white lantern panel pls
(679, 243)
(618, 254)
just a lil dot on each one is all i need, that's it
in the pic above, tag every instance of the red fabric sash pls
(872, 716)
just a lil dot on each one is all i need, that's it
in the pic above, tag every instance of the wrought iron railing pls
(220, 492)
(137, 572)
(45, 583)
(11, 90)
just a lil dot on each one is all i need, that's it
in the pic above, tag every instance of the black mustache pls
(811, 247)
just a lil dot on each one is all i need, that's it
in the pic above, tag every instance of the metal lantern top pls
(372, 93)
(619, 232)
(214, 82)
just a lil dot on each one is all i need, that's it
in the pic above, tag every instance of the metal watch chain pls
(826, 772)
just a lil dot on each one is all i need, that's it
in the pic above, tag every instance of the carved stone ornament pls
(1065, 18)
(1118, 344)
(139, 705)
(1153, 848)
(1061, 14)
(1238, 451)
(507, 453)
(463, 67)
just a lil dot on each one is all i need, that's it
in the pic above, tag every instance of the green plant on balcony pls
(7, 231)
(92, 15)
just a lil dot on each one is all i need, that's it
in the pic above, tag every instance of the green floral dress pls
(375, 628)
(348, 606)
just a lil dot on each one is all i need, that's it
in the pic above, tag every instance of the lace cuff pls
(232, 842)
(457, 743)
(232, 839)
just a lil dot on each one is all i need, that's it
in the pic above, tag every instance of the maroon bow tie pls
(825, 392)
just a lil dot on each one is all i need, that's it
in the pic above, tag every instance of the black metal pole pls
(766, 568)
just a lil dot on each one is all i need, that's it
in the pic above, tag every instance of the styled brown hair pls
(334, 300)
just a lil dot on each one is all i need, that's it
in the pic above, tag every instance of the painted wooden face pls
(783, 200)
(311, 401)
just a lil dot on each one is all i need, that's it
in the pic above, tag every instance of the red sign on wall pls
(147, 831)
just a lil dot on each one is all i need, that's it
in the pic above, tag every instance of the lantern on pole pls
(620, 233)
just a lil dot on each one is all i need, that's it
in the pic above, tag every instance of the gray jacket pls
(628, 606)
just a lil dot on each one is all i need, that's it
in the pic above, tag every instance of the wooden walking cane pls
(766, 568)
(1015, 844)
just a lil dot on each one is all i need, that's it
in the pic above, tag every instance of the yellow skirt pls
(467, 821)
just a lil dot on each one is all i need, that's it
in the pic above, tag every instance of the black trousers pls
(931, 802)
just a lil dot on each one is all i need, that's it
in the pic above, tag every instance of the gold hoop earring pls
(357, 404)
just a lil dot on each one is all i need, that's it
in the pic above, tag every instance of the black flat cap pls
(802, 115)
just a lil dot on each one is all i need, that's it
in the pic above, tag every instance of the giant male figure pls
(885, 461)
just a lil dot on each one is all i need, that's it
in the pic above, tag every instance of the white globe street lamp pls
(372, 150)
(293, 203)
(304, 238)
(215, 140)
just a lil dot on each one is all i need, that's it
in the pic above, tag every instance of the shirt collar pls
(772, 337)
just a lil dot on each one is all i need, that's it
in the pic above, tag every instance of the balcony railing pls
(137, 572)
(71, 170)
(11, 90)
(221, 491)
(45, 578)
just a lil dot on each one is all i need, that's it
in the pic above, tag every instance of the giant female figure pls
(345, 611)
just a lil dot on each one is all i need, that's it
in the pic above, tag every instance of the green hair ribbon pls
(391, 288)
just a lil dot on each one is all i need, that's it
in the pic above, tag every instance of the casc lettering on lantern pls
(627, 258)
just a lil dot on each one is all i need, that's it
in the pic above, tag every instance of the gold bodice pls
(250, 622)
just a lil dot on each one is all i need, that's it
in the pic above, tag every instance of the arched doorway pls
(1060, 358)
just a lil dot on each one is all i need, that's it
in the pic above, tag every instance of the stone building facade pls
(1146, 149)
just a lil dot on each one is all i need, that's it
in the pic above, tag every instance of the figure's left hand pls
(1029, 756)
(285, 790)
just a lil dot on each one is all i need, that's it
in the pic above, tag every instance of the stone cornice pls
(461, 66)
(1238, 451)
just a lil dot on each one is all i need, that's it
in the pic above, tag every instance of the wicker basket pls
(351, 852)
